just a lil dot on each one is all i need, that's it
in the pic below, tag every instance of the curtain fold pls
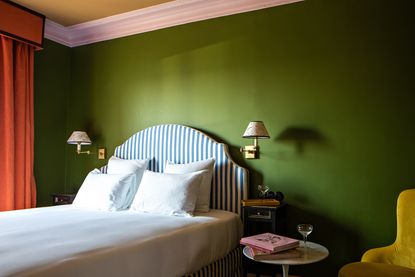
(17, 183)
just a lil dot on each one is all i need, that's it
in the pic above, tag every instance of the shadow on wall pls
(97, 138)
(300, 136)
(341, 242)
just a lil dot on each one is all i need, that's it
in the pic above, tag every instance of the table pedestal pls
(285, 269)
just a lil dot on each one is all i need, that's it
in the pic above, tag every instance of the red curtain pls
(17, 182)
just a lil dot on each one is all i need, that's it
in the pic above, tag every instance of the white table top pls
(313, 253)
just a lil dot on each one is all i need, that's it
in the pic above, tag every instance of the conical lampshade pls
(256, 129)
(79, 137)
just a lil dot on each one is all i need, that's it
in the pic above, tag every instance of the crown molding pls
(152, 18)
(57, 33)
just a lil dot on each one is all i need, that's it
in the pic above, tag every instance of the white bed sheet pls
(68, 241)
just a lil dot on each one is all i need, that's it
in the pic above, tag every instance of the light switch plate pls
(102, 154)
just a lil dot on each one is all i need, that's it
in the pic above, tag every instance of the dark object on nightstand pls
(262, 219)
(279, 196)
(270, 195)
(275, 195)
(62, 198)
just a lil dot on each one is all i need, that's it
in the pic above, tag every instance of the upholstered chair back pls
(402, 251)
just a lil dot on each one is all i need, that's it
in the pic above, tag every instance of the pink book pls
(270, 243)
(257, 254)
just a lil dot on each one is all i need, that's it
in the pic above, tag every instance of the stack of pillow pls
(181, 190)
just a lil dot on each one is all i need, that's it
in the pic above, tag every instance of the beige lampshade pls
(256, 129)
(79, 137)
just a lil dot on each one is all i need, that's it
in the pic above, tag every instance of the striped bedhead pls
(182, 144)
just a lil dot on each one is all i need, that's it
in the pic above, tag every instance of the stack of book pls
(268, 246)
(260, 202)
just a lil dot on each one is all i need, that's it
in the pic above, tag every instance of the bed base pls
(228, 266)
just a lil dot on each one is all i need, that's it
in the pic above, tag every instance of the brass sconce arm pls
(78, 150)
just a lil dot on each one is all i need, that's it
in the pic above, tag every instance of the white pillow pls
(120, 166)
(170, 194)
(106, 192)
(203, 199)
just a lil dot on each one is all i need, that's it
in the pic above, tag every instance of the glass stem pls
(305, 241)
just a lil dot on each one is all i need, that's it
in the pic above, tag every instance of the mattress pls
(67, 241)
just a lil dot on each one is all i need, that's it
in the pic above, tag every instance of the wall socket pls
(102, 154)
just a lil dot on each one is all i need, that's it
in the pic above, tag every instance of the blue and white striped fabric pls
(228, 266)
(181, 144)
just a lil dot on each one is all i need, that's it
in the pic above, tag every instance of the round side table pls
(312, 254)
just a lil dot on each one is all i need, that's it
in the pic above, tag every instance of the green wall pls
(334, 75)
(52, 89)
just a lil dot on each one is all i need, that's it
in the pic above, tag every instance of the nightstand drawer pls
(259, 213)
(62, 199)
(261, 219)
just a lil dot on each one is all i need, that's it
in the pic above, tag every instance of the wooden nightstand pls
(261, 219)
(62, 199)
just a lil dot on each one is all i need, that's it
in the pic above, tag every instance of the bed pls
(69, 241)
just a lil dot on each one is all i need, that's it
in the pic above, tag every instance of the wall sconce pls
(255, 130)
(80, 138)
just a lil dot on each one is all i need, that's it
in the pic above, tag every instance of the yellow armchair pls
(397, 259)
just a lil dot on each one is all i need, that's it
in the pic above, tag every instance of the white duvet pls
(67, 241)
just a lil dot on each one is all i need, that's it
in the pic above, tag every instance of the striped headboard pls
(181, 144)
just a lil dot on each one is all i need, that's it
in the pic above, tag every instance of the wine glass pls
(305, 230)
(263, 189)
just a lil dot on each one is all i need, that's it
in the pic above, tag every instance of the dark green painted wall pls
(52, 89)
(342, 70)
